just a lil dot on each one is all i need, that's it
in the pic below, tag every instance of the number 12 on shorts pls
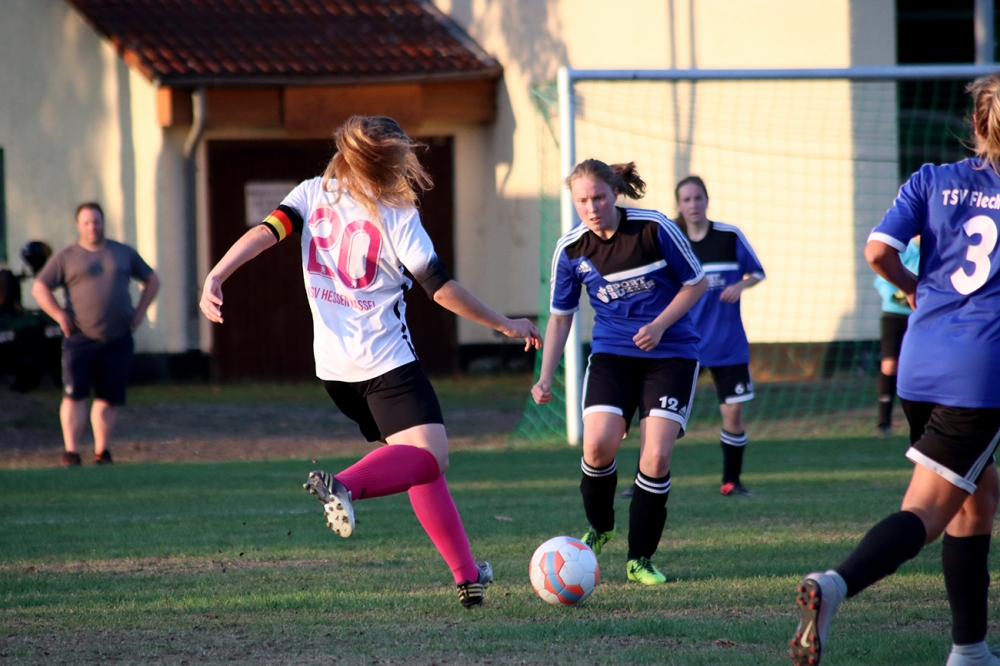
(669, 403)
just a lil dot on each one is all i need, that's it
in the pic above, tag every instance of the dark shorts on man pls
(98, 364)
(662, 387)
(956, 443)
(893, 328)
(732, 383)
(400, 399)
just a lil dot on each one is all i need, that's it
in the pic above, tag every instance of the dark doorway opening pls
(932, 112)
(267, 335)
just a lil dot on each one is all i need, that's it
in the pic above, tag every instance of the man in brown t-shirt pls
(97, 323)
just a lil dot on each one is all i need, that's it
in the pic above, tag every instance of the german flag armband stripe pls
(283, 221)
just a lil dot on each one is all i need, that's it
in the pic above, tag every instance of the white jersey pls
(353, 272)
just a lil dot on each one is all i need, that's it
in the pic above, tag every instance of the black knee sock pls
(967, 579)
(893, 541)
(886, 394)
(598, 489)
(733, 447)
(647, 515)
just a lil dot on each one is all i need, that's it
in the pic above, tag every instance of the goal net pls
(805, 163)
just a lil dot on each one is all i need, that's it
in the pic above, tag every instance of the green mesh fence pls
(805, 168)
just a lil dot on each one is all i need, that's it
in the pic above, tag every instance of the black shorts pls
(893, 328)
(400, 399)
(97, 364)
(662, 387)
(956, 443)
(732, 383)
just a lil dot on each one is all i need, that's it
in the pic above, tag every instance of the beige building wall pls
(809, 241)
(85, 128)
(76, 124)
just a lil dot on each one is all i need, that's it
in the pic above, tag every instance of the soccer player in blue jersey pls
(642, 278)
(948, 388)
(895, 316)
(730, 267)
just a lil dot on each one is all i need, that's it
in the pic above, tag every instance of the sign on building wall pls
(263, 196)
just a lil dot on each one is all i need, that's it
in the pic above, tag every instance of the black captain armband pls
(283, 221)
(433, 277)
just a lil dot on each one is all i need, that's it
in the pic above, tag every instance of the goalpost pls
(805, 162)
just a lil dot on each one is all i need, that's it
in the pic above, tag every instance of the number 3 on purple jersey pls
(977, 254)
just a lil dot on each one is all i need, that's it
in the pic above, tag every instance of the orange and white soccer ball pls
(564, 571)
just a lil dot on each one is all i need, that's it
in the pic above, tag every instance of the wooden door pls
(435, 333)
(267, 334)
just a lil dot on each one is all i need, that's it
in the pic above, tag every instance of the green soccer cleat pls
(643, 571)
(595, 540)
(336, 499)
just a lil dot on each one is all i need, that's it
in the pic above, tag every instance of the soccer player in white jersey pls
(731, 266)
(642, 278)
(948, 388)
(358, 230)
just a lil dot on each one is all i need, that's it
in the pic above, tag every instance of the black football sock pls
(967, 578)
(733, 447)
(897, 539)
(886, 395)
(647, 515)
(598, 489)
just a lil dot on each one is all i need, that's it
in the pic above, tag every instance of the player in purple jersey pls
(731, 266)
(642, 278)
(948, 388)
(358, 228)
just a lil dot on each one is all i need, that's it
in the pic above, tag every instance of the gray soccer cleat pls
(980, 655)
(818, 598)
(336, 499)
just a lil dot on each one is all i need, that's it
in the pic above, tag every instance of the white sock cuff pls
(599, 471)
(651, 485)
(733, 440)
(839, 582)
(979, 649)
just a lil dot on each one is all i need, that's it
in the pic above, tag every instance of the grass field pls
(231, 562)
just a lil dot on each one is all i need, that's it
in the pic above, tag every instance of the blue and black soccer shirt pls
(726, 257)
(630, 278)
(951, 350)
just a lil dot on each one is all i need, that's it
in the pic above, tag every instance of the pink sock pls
(389, 470)
(436, 511)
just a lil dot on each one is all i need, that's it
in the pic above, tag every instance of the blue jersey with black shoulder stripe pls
(726, 256)
(951, 350)
(630, 279)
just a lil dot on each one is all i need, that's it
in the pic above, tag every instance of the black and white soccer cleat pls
(472, 594)
(336, 499)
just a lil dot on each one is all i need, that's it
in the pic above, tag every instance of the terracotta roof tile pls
(280, 42)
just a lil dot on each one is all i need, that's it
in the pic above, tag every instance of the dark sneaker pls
(628, 492)
(104, 458)
(595, 540)
(643, 571)
(730, 489)
(818, 598)
(336, 499)
(70, 459)
(471, 594)
(884, 429)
